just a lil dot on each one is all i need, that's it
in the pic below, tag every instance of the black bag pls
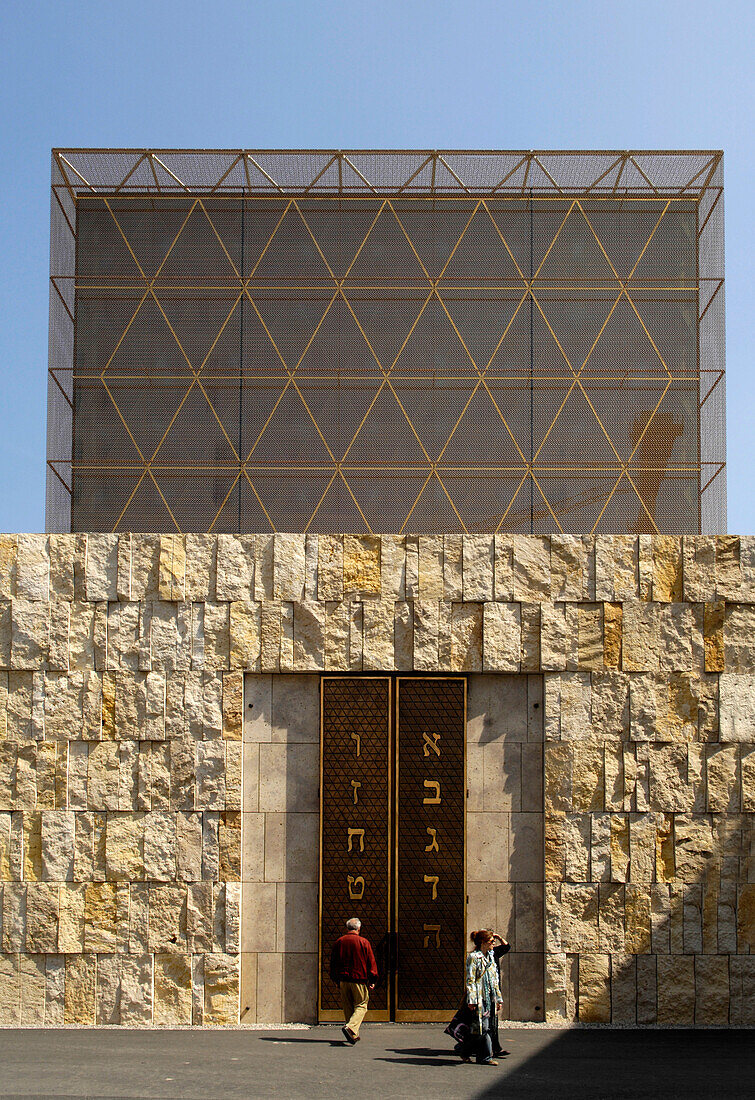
(461, 1026)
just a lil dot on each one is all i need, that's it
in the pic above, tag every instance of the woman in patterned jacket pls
(483, 994)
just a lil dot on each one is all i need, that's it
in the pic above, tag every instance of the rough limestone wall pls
(121, 663)
(120, 783)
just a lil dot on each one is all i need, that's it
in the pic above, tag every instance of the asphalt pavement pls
(392, 1062)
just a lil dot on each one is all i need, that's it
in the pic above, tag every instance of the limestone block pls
(310, 567)
(642, 846)
(411, 578)
(60, 634)
(739, 638)
(558, 777)
(101, 568)
(728, 567)
(609, 704)
(403, 626)
(624, 989)
(466, 637)
(594, 988)
(245, 635)
(531, 567)
(182, 774)
(289, 566)
(692, 918)
(579, 917)
(616, 567)
(600, 847)
(613, 623)
(124, 846)
(583, 644)
(188, 828)
(555, 986)
(667, 569)
(167, 919)
(392, 567)
(330, 567)
(588, 777)
(737, 707)
(172, 568)
(640, 636)
(554, 848)
(699, 554)
(711, 990)
(637, 918)
(714, 614)
(503, 568)
(108, 993)
(681, 646)
(477, 567)
(210, 775)
(379, 637)
(221, 989)
(356, 636)
(672, 782)
(676, 989)
(453, 568)
(270, 638)
(136, 990)
(80, 989)
(217, 635)
(13, 925)
(102, 779)
(8, 563)
(172, 990)
(32, 834)
(530, 651)
(746, 919)
(309, 636)
(163, 636)
(229, 842)
(611, 918)
(212, 706)
(197, 635)
(42, 914)
(200, 577)
(646, 989)
(30, 634)
(159, 847)
(554, 639)
(145, 567)
(723, 778)
(361, 565)
(6, 634)
(572, 567)
(425, 635)
(33, 568)
(55, 975)
(71, 900)
(235, 567)
(576, 840)
(501, 637)
(430, 567)
(742, 982)
(264, 553)
(57, 829)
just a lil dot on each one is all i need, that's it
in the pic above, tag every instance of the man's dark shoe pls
(351, 1038)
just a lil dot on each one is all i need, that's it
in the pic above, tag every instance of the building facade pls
(434, 621)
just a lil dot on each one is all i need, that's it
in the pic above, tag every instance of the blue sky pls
(400, 74)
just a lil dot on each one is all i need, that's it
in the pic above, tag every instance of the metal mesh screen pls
(387, 342)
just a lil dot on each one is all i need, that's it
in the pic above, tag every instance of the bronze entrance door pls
(392, 800)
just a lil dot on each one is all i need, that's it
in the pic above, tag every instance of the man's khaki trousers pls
(354, 998)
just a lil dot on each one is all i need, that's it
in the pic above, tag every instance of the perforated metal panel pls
(387, 342)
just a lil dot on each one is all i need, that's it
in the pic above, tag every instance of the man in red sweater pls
(353, 968)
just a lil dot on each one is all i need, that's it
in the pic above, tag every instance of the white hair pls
(353, 924)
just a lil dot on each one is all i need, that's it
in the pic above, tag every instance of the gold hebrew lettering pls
(356, 833)
(435, 785)
(356, 887)
(358, 738)
(434, 879)
(427, 929)
(433, 845)
(431, 742)
(356, 785)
